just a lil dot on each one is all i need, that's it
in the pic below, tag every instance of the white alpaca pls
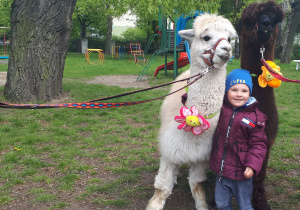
(179, 147)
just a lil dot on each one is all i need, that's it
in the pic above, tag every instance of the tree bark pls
(290, 32)
(83, 25)
(83, 40)
(40, 32)
(108, 35)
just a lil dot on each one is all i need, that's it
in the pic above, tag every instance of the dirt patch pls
(3, 61)
(123, 81)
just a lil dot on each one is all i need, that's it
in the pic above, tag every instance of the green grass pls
(109, 157)
(77, 68)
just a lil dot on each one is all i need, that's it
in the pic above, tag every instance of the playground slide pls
(182, 61)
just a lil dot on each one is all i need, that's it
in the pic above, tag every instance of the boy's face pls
(238, 95)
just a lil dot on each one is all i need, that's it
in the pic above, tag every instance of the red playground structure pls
(183, 60)
(135, 52)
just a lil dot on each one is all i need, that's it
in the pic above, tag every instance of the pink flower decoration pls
(191, 121)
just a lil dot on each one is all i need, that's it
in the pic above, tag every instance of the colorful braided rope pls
(92, 105)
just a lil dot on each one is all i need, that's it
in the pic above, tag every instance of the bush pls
(74, 45)
(93, 42)
(132, 35)
(296, 52)
(96, 43)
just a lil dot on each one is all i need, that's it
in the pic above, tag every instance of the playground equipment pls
(170, 42)
(4, 57)
(135, 52)
(183, 60)
(114, 52)
(139, 57)
(117, 52)
(231, 59)
(4, 44)
(99, 51)
(133, 47)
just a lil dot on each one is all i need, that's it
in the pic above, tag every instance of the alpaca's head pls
(207, 30)
(258, 23)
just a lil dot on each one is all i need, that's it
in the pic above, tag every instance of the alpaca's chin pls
(220, 61)
(225, 57)
(265, 39)
(220, 65)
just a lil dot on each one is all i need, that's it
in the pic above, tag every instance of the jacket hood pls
(251, 101)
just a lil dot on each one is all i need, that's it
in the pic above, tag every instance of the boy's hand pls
(248, 173)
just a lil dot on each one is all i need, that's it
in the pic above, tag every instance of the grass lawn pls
(108, 158)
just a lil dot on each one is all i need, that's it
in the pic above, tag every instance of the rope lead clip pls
(262, 50)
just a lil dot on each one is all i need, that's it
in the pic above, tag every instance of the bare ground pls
(123, 81)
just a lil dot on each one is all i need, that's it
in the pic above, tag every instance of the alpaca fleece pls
(259, 26)
(179, 147)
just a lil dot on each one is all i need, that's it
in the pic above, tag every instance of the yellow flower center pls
(268, 76)
(192, 121)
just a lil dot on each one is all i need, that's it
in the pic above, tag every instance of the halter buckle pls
(262, 50)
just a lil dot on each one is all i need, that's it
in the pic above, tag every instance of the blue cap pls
(237, 76)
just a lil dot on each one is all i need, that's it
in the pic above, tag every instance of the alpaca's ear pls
(187, 34)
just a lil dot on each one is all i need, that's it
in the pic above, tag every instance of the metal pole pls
(175, 50)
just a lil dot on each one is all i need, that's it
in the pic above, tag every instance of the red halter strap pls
(211, 51)
(275, 74)
(271, 71)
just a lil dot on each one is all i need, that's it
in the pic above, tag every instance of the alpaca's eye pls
(206, 38)
(229, 39)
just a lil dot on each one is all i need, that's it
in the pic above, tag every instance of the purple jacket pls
(246, 144)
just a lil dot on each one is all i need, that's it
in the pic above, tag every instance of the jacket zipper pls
(226, 145)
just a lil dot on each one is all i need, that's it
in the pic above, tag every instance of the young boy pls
(239, 144)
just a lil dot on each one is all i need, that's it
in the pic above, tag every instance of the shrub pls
(131, 35)
(296, 52)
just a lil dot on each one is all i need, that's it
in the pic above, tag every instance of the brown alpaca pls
(258, 27)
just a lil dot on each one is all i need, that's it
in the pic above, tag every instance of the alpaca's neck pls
(207, 93)
(250, 48)
(250, 58)
(251, 61)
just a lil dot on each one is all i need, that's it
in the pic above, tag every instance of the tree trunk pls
(83, 40)
(108, 35)
(40, 32)
(290, 32)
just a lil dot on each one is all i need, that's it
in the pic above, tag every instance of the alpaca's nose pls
(226, 48)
